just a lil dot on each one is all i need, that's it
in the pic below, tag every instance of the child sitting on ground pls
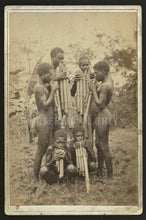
(54, 154)
(79, 137)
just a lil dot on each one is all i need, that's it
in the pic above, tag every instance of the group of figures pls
(65, 131)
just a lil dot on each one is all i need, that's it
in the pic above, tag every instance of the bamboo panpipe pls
(81, 96)
(62, 95)
(82, 164)
(86, 171)
(60, 168)
(61, 164)
(58, 105)
(58, 165)
(78, 97)
(82, 93)
(77, 159)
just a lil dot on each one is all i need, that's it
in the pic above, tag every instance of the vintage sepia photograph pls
(73, 110)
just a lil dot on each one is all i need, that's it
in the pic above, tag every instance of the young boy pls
(100, 116)
(84, 65)
(79, 137)
(55, 153)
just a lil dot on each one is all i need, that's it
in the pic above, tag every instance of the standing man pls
(44, 97)
(57, 56)
(101, 118)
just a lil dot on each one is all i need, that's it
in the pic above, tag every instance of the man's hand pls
(54, 86)
(92, 75)
(91, 86)
(77, 77)
(76, 145)
(59, 154)
(61, 76)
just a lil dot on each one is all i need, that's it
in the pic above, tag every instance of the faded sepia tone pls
(100, 35)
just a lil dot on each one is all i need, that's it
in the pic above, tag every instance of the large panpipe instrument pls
(82, 93)
(82, 164)
(65, 96)
(62, 97)
(83, 100)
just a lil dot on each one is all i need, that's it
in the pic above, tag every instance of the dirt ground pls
(120, 190)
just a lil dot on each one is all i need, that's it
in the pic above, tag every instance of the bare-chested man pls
(57, 56)
(44, 96)
(100, 116)
(44, 92)
(84, 65)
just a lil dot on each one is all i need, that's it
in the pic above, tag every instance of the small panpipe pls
(82, 164)
(60, 168)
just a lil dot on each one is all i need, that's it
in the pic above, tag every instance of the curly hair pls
(43, 68)
(78, 128)
(55, 51)
(60, 133)
(83, 58)
(102, 66)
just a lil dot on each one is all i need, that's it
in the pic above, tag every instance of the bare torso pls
(104, 91)
(41, 92)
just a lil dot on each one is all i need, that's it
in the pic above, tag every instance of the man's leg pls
(38, 159)
(43, 142)
(49, 174)
(92, 166)
(103, 148)
(71, 170)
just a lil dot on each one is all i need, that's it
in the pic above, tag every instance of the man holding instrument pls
(57, 56)
(84, 65)
(82, 93)
(101, 118)
(44, 96)
(59, 151)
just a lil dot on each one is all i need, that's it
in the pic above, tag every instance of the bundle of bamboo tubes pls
(58, 105)
(82, 163)
(82, 93)
(65, 97)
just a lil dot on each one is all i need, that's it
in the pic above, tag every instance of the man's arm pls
(41, 96)
(101, 100)
(50, 156)
(74, 88)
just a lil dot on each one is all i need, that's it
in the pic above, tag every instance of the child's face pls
(46, 77)
(99, 75)
(79, 136)
(84, 65)
(61, 143)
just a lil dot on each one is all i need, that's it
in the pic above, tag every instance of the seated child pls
(78, 134)
(59, 151)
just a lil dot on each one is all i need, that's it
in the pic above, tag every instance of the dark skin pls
(44, 101)
(80, 137)
(101, 98)
(84, 66)
(59, 58)
(57, 154)
(59, 151)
